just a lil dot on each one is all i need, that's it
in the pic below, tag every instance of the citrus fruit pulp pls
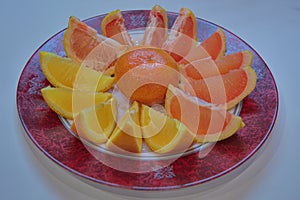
(84, 45)
(60, 100)
(63, 72)
(113, 26)
(234, 61)
(163, 134)
(209, 122)
(144, 73)
(183, 34)
(156, 31)
(97, 122)
(127, 136)
(215, 44)
(207, 67)
(226, 90)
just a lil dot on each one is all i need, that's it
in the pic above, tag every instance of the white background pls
(271, 27)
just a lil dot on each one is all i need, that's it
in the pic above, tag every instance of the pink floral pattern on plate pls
(46, 131)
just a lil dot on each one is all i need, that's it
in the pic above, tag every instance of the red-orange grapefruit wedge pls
(208, 67)
(183, 34)
(156, 31)
(215, 44)
(113, 26)
(85, 46)
(226, 90)
(208, 122)
(234, 61)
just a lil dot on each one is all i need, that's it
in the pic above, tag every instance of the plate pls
(196, 170)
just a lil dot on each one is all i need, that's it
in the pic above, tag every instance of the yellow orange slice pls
(183, 34)
(63, 72)
(60, 100)
(156, 31)
(127, 136)
(84, 45)
(163, 134)
(96, 123)
(113, 26)
(226, 90)
(210, 123)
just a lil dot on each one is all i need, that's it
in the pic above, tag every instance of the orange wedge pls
(96, 123)
(210, 123)
(215, 44)
(226, 90)
(113, 26)
(63, 72)
(84, 45)
(183, 34)
(61, 100)
(127, 136)
(234, 61)
(164, 134)
(156, 31)
(207, 67)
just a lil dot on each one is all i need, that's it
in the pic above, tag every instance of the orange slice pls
(210, 123)
(84, 45)
(163, 134)
(60, 100)
(200, 69)
(215, 44)
(144, 73)
(96, 123)
(63, 72)
(207, 67)
(127, 136)
(226, 90)
(234, 61)
(113, 26)
(183, 34)
(156, 31)
(197, 52)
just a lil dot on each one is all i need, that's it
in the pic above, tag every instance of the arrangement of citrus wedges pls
(178, 90)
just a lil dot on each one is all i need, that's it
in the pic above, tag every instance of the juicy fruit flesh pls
(63, 72)
(215, 44)
(163, 134)
(227, 90)
(62, 100)
(156, 31)
(211, 123)
(88, 40)
(127, 136)
(144, 73)
(206, 116)
(85, 46)
(207, 67)
(182, 36)
(113, 26)
(96, 123)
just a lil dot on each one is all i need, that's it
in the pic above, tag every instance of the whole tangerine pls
(144, 73)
